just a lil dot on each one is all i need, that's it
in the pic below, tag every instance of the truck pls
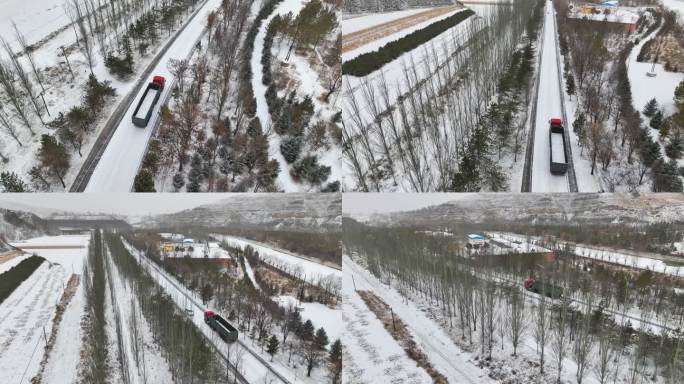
(559, 162)
(227, 332)
(143, 112)
(539, 287)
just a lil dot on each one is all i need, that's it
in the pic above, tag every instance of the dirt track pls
(360, 38)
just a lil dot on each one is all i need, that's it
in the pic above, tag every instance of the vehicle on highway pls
(143, 111)
(559, 161)
(227, 332)
(536, 286)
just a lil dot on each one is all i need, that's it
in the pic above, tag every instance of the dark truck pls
(552, 291)
(143, 112)
(227, 332)
(559, 163)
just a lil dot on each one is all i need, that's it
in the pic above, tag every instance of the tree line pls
(481, 300)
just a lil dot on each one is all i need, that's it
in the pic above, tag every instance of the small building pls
(476, 241)
(608, 13)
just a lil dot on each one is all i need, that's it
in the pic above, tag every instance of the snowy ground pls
(379, 43)
(371, 354)
(443, 354)
(120, 162)
(36, 21)
(32, 306)
(312, 271)
(319, 314)
(367, 20)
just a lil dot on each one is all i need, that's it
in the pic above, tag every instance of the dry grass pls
(7, 256)
(360, 38)
(64, 301)
(400, 333)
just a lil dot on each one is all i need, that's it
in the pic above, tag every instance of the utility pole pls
(68, 64)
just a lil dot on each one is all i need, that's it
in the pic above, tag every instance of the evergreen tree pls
(54, 158)
(335, 361)
(666, 177)
(679, 94)
(144, 181)
(321, 339)
(273, 346)
(11, 182)
(650, 108)
(291, 147)
(675, 147)
(307, 331)
(570, 85)
(657, 119)
(178, 181)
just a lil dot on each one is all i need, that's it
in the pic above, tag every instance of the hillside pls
(291, 212)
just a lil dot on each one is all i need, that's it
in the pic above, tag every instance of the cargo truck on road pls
(559, 162)
(536, 286)
(227, 332)
(143, 111)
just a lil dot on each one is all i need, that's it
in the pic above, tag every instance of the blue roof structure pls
(475, 237)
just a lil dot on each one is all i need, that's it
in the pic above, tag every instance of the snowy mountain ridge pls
(15, 225)
(550, 208)
(294, 212)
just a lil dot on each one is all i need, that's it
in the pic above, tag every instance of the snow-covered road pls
(312, 271)
(548, 106)
(444, 355)
(121, 159)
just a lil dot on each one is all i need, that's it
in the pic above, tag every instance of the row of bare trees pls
(411, 131)
(484, 306)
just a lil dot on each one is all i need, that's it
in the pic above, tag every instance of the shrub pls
(11, 279)
(372, 61)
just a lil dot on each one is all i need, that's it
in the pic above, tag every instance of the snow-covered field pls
(311, 271)
(32, 306)
(644, 88)
(319, 314)
(35, 20)
(379, 43)
(367, 20)
(371, 354)
(443, 354)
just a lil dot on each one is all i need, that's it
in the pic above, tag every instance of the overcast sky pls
(368, 203)
(128, 204)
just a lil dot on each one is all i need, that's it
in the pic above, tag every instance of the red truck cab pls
(556, 121)
(159, 80)
(208, 314)
(529, 282)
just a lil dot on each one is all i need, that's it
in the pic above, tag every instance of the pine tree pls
(11, 182)
(54, 158)
(335, 361)
(144, 181)
(570, 85)
(321, 338)
(178, 181)
(657, 120)
(679, 94)
(307, 331)
(675, 148)
(273, 346)
(650, 108)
